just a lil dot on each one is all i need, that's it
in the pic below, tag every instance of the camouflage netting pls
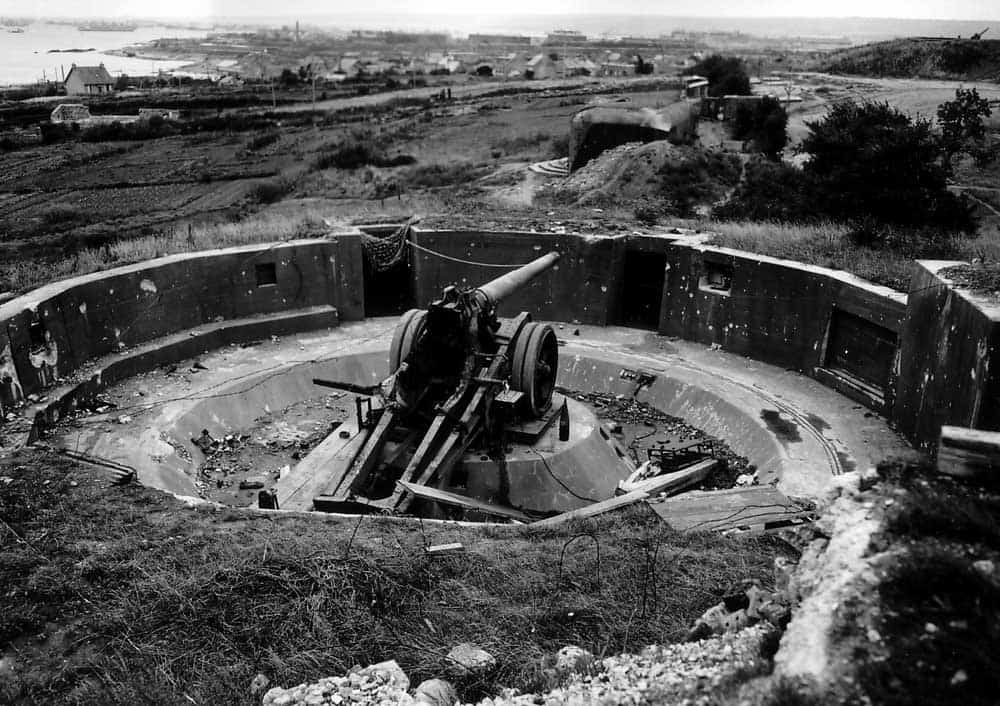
(385, 253)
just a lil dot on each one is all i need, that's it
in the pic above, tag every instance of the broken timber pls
(443, 496)
(670, 483)
(594, 509)
(967, 453)
(666, 483)
(719, 510)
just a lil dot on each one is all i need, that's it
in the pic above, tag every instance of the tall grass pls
(26, 274)
(828, 245)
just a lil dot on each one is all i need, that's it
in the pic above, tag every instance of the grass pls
(121, 594)
(23, 274)
(828, 245)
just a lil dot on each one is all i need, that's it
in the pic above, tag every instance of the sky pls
(200, 9)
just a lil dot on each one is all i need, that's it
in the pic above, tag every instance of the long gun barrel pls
(500, 288)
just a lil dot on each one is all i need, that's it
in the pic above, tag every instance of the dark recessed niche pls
(267, 274)
(718, 278)
(36, 335)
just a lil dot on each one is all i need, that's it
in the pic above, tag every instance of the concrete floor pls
(795, 430)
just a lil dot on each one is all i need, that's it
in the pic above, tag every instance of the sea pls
(25, 57)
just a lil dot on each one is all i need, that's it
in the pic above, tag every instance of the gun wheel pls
(536, 361)
(408, 330)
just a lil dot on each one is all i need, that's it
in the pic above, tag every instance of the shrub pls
(438, 175)
(726, 75)
(871, 160)
(262, 140)
(763, 123)
(698, 179)
(270, 191)
(60, 214)
(770, 191)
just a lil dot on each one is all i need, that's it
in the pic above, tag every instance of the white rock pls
(472, 658)
(572, 659)
(391, 673)
(436, 692)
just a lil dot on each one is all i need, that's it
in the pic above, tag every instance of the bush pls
(60, 214)
(271, 191)
(763, 123)
(770, 191)
(698, 179)
(726, 75)
(262, 140)
(871, 160)
(438, 175)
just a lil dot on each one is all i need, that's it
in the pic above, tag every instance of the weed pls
(60, 214)
(439, 175)
(270, 191)
(169, 601)
(262, 140)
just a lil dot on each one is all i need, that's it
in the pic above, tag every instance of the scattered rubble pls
(687, 672)
(639, 426)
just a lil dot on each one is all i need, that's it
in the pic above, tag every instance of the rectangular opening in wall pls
(388, 285)
(642, 289)
(860, 352)
(267, 274)
(36, 335)
(717, 278)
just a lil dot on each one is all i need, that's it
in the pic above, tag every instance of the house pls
(88, 81)
(541, 66)
(695, 87)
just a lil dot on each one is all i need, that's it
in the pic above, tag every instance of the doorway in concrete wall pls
(388, 292)
(387, 274)
(642, 289)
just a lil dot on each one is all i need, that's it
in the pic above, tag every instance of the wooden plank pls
(726, 509)
(448, 498)
(445, 549)
(363, 463)
(671, 483)
(325, 465)
(967, 453)
(593, 509)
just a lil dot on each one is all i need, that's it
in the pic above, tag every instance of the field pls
(77, 205)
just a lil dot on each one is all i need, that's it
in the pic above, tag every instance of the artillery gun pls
(457, 375)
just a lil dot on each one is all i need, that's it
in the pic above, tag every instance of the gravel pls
(688, 673)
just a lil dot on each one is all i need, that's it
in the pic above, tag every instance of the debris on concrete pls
(639, 427)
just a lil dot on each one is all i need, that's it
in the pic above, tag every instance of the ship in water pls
(106, 27)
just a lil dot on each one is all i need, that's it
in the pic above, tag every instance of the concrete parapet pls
(949, 373)
(921, 364)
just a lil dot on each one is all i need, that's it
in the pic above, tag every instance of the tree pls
(871, 161)
(726, 75)
(764, 123)
(962, 128)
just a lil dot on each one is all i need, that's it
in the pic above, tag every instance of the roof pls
(91, 75)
